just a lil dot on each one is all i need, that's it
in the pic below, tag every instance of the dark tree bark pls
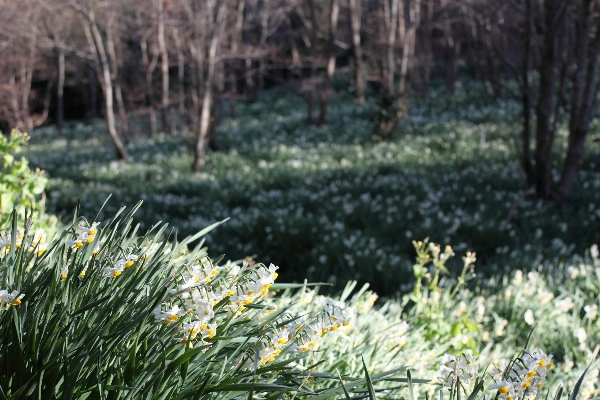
(355, 22)
(333, 19)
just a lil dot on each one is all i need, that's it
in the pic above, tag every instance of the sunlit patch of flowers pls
(86, 235)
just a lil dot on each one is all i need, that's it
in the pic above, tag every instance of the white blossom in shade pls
(591, 311)
(113, 272)
(594, 252)
(204, 310)
(518, 278)
(279, 337)
(505, 389)
(499, 327)
(126, 262)
(168, 314)
(572, 272)
(148, 252)
(581, 335)
(564, 305)
(11, 298)
(447, 370)
(529, 319)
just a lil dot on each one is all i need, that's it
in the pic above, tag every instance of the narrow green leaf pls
(577, 386)
(91, 305)
(411, 390)
(369, 382)
(343, 386)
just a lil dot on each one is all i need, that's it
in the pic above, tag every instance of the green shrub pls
(19, 185)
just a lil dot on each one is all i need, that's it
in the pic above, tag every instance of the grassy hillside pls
(334, 203)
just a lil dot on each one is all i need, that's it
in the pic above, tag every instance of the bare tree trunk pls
(526, 98)
(334, 13)
(97, 46)
(585, 93)
(355, 18)
(235, 44)
(408, 50)
(428, 57)
(60, 108)
(451, 50)
(164, 64)
(115, 74)
(149, 65)
(218, 26)
(544, 135)
(391, 47)
(26, 79)
(92, 112)
(180, 79)
(264, 29)
(309, 95)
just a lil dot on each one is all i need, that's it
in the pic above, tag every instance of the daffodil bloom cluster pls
(201, 287)
(8, 299)
(37, 244)
(268, 348)
(86, 235)
(459, 370)
(120, 265)
(525, 377)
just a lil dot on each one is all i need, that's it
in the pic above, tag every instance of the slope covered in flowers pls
(334, 203)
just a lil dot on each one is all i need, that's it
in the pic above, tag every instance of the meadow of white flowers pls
(333, 199)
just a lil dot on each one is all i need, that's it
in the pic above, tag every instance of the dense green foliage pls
(334, 203)
(19, 185)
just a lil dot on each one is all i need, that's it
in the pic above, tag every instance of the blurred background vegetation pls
(331, 132)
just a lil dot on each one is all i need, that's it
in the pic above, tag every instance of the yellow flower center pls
(275, 275)
(531, 374)
(40, 252)
(211, 333)
(82, 274)
(92, 232)
(78, 245)
(526, 385)
(17, 245)
(214, 272)
(128, 264)
(503, 390)
(63, 277)
(16, 302)
(173, 317)
(549, 365)
(89, 240)
(541, 363)
(116, 273)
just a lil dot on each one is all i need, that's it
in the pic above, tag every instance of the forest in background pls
(183, 63)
